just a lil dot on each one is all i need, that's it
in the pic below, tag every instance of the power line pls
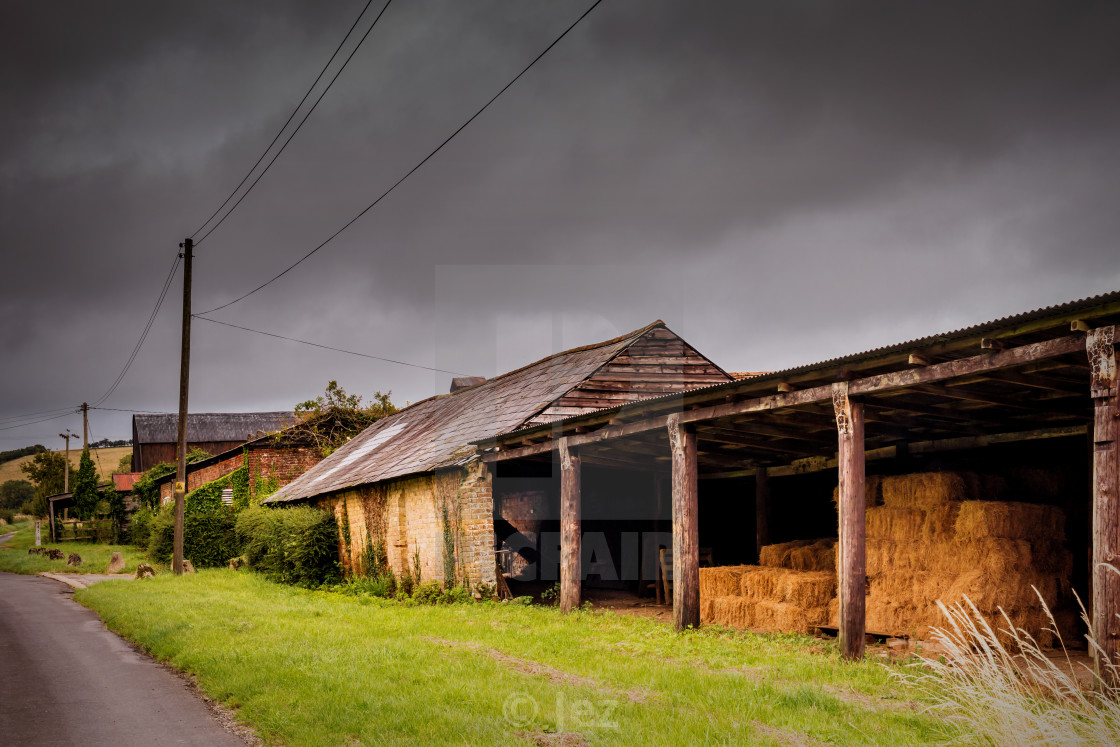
(328, 347)
(289, 120)
(414, 168)
(37, 414)
(33, 422)
(125, 409)
(298, 127)
(144, 334)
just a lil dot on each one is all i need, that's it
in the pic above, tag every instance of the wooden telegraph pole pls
(85, 426)
(184, 376)
(66, 469)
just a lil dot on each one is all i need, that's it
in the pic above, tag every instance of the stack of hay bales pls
(790, 591)
(928, 539)
(766, 598)
(932, 540)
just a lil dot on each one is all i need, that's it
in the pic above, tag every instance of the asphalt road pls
(66, 680)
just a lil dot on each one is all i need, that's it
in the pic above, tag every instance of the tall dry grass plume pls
(998, 686)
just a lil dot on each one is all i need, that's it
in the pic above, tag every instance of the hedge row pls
(209, 540)
(293, 545)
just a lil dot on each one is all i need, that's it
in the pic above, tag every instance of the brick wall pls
(285, 463)
(203, 475)
(412, 521)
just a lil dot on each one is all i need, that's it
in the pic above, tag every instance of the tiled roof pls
(208, 426)
(437, 432)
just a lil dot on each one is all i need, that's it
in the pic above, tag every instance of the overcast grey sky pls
(781, 182)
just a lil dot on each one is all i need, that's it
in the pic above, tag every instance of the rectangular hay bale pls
(1010, 520)
(924, 489)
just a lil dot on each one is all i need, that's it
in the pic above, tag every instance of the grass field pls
(95, 557)
(317, 668)
(104, 460)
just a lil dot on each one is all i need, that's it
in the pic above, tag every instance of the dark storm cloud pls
(846, 175)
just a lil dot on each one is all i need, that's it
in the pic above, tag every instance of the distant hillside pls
(105, 461)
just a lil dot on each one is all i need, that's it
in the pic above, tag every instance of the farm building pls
(154, 437)
(412, 491)
(851, 493)
(278, 457)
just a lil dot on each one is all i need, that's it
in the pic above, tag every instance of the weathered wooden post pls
(686, 541)
(571, 527)
(761, 510)
(853, 509)
(1100, 345)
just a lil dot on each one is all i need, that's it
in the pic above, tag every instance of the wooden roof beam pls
(871, 385)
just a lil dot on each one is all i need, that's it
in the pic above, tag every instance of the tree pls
(85, 488)
(117, 511)
(125, 463)
(335, 417)
(48, 471)
(14, 493)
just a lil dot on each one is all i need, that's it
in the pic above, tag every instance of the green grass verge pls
(95, 557)
(317, 668)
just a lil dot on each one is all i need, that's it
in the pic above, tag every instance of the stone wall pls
(421, 515)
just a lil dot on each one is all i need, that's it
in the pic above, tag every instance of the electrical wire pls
(414, 169)
(144, 334)
(33, 422)
(328, 347)
(286, 123)
(37, 414)
(298, 127)
(125, 409)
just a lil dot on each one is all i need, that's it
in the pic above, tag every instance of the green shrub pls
(375, 587)
(6, 515)
(140, 530)
(209, 539)
(292, 545)
(428, 593)
(162, 534)
(457, 595)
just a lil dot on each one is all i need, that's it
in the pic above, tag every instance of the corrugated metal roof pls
(209, 426)
(1001, 324)
(123, 481)
(437, 432)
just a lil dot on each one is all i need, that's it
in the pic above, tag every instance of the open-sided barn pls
(982, 460)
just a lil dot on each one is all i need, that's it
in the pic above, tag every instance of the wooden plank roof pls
(208, 426)
(437, 432)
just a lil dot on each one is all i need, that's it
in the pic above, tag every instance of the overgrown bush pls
(140, 529)
(383, 587)
(296, 545)
(209, 539)
(7, 515)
